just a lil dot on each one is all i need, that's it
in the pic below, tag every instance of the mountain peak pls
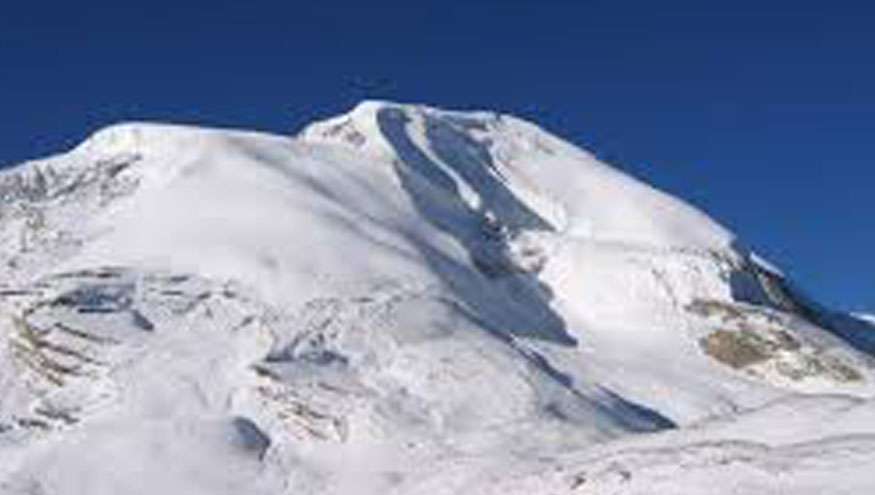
(363, 127)
(569, 186)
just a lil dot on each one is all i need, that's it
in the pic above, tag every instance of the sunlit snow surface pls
(402, 300)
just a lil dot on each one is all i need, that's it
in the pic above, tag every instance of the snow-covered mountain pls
(402, 300)
(865, 317)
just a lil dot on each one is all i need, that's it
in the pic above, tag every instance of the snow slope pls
(400, 299)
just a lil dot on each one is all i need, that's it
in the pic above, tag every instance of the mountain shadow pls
(502, 296)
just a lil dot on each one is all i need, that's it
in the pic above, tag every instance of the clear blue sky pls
(762, 113)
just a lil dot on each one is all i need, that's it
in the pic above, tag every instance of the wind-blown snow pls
(400, 299)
